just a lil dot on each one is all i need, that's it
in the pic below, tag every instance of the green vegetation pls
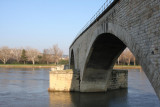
(30, 65)
(63, 62)
(23, 56)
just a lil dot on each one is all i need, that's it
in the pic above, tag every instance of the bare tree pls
(60, 54)
(122, 58)
(47, 56)
(32, 55)
(57, 53)
(5, 54)
(126, 57)
(16, 54)
(129, 55)
(133, 59)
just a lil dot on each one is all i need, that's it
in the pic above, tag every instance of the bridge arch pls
(138, 30)
(114, 35)
(105, 51)
(99, 62)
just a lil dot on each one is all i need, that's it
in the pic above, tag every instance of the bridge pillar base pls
(93, 86)
(67, 80)
(117, 80)
(63, 80)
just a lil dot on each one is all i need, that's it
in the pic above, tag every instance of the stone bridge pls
(124, 23)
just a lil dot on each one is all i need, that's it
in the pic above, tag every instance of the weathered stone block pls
(63, 80)
(118, 79)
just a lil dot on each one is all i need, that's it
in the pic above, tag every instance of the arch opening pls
(104, 53)
(101, 59)
(127, 58)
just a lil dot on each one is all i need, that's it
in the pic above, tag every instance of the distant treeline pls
(50, 56)
(32, 56)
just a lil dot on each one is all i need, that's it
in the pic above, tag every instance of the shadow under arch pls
(104, 52)
(72, 64)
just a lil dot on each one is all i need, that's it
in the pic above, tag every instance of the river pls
(27, 87)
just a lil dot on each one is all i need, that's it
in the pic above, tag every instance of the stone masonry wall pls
(63, 80)
(118, 79)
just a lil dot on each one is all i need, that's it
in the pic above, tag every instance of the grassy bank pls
(52, 65)
(127, 67)
(27, 66)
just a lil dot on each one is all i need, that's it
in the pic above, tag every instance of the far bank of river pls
(127, 67)
(51, 66)
(26, 66)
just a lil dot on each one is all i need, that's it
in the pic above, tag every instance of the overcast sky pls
(42, 23)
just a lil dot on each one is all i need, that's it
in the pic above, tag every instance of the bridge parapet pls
(103, 9)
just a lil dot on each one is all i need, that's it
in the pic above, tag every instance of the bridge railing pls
(98, 13)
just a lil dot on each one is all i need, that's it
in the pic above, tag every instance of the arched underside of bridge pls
(102, 57)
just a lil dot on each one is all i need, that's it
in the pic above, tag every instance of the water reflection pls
(56, 99)
(111, 98)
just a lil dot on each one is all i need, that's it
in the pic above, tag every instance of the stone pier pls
(67, 80)
(118, 79)
(63, 80)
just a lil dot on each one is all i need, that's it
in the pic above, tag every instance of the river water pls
(27, 87)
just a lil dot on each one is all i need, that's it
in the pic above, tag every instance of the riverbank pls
(127, 67)
(52, 65)
(26, 66)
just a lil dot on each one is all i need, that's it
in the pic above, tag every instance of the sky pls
(41, 24)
